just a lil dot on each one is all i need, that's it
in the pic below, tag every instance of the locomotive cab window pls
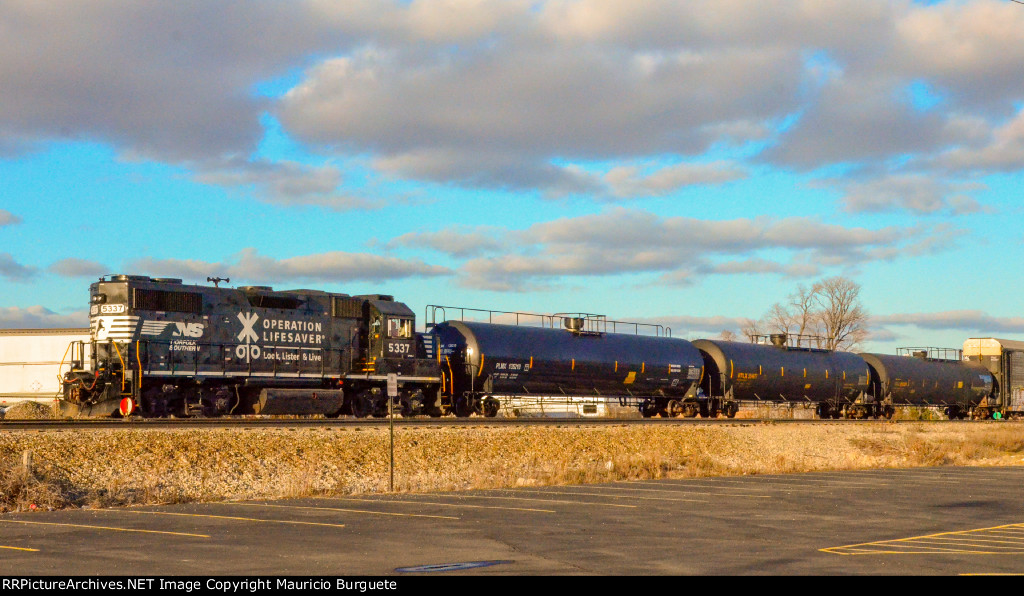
(400, 328)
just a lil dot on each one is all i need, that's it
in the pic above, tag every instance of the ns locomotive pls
(161, 348)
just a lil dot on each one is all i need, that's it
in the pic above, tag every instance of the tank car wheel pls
(673, 409)
(731, 409)
(690, 410)
(462, 408)
(491, 407)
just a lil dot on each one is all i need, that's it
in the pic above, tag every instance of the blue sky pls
(686, 163)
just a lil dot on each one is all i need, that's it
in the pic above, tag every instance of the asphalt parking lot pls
(895, 521)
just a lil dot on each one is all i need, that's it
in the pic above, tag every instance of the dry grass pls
(101, 468)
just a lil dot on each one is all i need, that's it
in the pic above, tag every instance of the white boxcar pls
(30, 362)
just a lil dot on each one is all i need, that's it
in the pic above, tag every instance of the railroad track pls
(278, 422)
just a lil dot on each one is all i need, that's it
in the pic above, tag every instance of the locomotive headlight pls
(98, 298)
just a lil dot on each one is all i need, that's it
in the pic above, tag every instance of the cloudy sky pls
(683, 162)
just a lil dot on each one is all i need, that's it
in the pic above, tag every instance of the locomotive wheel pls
(360, 406)
(673, 408)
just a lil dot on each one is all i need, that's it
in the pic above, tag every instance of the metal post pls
(392, 394)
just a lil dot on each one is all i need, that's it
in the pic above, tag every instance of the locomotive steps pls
(104, 467)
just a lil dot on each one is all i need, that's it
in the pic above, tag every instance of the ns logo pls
(188, 330)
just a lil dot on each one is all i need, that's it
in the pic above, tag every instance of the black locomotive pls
(163, 348)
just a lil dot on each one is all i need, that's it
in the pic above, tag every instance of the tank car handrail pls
(601, 322)
(932, 353)
(786, 340)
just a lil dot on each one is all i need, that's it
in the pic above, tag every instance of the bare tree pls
(750, 328)
(797, 316)
(727, 335)
(778, 319)
(802, 310)
(840, 312)
(829, 308)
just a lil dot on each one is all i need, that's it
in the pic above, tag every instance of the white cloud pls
(917, 193)
(679, 250)
(39, 317)
(13, 270)
(249, 266)
(975, 321)
(8, 219)
(493, 93)
(75, 267)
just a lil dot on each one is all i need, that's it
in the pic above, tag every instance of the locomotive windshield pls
(400, 328)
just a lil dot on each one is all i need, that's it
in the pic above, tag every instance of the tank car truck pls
(566, 356)
(927, 377)
(163, 348)
(781, 368)
(1004, 360)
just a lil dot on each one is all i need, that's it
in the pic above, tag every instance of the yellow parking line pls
(252, 519)
(467, 506)
(975, 540)
(18, 521)
(965, 539)
(31, 550)
(555, 492)
(517, 498)
(343, 510)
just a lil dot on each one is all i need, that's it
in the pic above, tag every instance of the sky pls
(685, 163)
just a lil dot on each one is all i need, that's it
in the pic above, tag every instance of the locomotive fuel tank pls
(766, 372)
(513, 360)
(917, 380)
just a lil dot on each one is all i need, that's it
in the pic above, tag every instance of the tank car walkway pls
(906, 521)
